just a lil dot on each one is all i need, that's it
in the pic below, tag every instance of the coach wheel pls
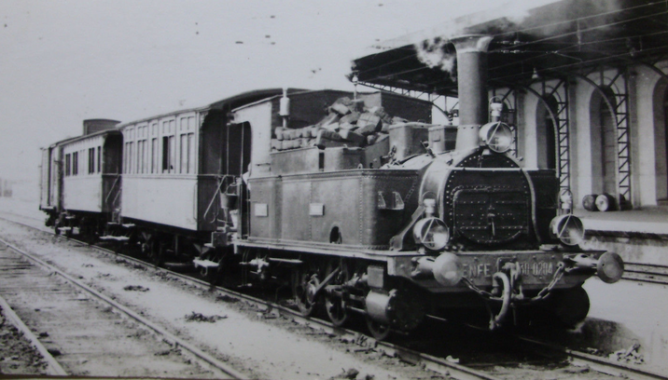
(378, 330)
(50, 220)
(83, 227)
(304, 284)
(148, 248)
(157, 254)
(336, 304)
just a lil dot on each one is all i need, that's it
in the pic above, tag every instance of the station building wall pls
(593, 151)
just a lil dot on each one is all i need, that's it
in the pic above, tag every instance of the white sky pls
(68, 60)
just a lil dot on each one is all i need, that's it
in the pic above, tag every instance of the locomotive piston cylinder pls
(395, 308)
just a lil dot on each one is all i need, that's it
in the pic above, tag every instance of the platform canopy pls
(553, 39)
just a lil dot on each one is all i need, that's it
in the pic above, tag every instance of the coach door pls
(234, 195)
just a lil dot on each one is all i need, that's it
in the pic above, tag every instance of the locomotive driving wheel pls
(570, 306)
(336, 304)
(304, 285)
(378, 330)
(157, 253)
(148, 248)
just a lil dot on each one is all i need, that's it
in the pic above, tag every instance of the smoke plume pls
(436, 53)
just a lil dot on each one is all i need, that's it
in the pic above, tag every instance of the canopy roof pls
(554, 40)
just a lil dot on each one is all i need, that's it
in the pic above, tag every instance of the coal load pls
(349, 122)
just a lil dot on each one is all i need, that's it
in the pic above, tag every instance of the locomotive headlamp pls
(497, 136)
(568, 229)
(432, 233)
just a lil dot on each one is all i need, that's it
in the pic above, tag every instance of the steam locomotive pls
(355, 201)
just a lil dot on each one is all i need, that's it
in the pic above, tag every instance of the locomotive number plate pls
(537, 268)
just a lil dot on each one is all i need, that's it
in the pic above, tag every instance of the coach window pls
(91, 160)
(191, 153)
(128, 162)
(155, 155)
(172, 146)
(99, 158)
(168, 145)
(191, 145)
(125, 154)
(68, 164)
(140, 155)
(184, 153)
(75, 163)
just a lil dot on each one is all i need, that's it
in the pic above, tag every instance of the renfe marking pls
(477, 270)
(534, 268)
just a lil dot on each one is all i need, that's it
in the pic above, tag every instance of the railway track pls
(70, 315)
(652, 273)
(435, 363)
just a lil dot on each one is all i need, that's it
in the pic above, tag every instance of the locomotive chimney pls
(472, 87)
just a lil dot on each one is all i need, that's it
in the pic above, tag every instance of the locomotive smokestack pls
(472, 87)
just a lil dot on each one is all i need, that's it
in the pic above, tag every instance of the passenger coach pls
(175, 166)
(81, 182)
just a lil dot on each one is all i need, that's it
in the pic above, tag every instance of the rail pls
(651, 273)
(598, 363)
(167, 336)
(53, 368)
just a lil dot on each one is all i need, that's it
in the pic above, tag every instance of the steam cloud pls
(435, 53)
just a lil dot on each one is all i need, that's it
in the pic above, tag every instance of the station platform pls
(639, 236)
(649, 220)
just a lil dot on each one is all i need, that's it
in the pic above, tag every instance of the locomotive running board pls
(117, 238)
(335, 250)
(205, 263)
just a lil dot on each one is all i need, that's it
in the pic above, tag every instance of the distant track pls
(597, 363)
(652, 273)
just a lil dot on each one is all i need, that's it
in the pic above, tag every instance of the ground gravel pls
(17, 355)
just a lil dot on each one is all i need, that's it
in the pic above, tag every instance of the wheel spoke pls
(335, 304)
(302, 284)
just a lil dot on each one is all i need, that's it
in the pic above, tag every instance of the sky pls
(68, 60)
